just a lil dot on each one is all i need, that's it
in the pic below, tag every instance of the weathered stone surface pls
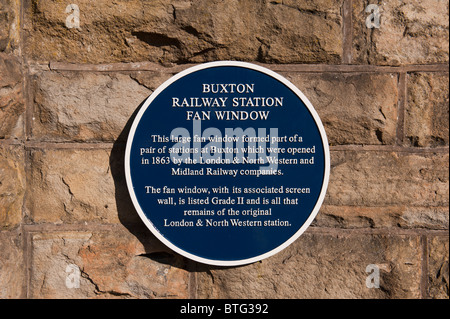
(427, 112)
(323, 266)
(187, 31)
(84, 106)
(386, 205)
(383, 217)
(112, 264)
(425, 217)
(12, 104)
(438, 274)
(413, 32)
(9, 25)
(12, 268)
(151, 80)
(12, 185)
(354, 108)
(71, 186)
(360, 178)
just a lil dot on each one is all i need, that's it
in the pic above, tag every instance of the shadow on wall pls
(129, 218)
(127, 214)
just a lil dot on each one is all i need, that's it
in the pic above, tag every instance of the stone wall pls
(68, 92)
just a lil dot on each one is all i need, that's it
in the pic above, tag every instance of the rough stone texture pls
(365, 179)
(84, 106)
(427, 113)
(71, 186)
(12, 185)
(411, 32)
(323, 266)
(9, 25)
(187, 31)
(383, 217)
(66, 105)
(438, 274)
(12, 267)
(12, 104)
(112, 263)
(356, 108)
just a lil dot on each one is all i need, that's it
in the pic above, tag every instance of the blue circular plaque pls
(227, 163)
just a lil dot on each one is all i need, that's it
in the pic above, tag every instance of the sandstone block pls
(427, 112)
(12, 105)
(12, 185)
(438, 274)
(413, 32)
(323, 266)
(185, 31)
(84, 106)
(383, 217)
(354, 108)
(377, 179)
(104, 264)
(9, 25)
(12, 267)
(71, 186)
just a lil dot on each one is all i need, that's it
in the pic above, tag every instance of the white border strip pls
(248, 66)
